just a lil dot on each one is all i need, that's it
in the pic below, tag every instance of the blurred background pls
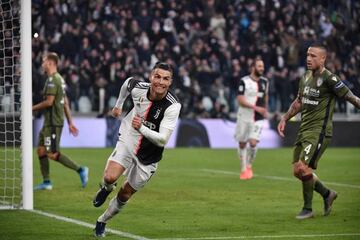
(210, 43)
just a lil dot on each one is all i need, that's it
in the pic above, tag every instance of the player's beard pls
(258, 74)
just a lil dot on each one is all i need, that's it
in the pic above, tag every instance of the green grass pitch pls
(197, 194)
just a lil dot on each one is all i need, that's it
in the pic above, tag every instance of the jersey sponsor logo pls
(158, 111)
(319, 82)
(340, 84)
(311, 102)
(150, 125)
(50, 85)
(308, 91)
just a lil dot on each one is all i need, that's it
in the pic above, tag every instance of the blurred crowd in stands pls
(210, 43)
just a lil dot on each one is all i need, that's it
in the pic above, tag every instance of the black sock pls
(44, 167)
(320, 188)
(308, 190)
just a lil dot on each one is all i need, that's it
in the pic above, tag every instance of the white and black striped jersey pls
(255, 93)
(155, 114)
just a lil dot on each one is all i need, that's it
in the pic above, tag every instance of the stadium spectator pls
(316, 101)
(212, 34)
(143, 133)
(54, 105)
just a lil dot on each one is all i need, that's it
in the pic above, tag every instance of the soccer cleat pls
(99, 230)
(244, 175)
(304, 214)
(84, 176)
(328, 202)
(249, 172)
(46, 185)
(100, 196)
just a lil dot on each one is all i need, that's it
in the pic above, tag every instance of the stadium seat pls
(84, 104)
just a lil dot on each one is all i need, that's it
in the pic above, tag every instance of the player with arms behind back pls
(143, 133)
(252, 98)
(55, 104)
(318, 88)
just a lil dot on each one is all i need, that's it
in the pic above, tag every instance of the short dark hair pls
(52, 56)
(164, 66)
(255, 60)
(319, 45)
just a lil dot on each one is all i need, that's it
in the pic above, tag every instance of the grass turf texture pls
(186, 199)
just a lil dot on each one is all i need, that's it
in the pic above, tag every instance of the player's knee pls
(54, 156)
(124, 196)
(302, 171)
(41, 151)
(253, 143)
(242, 145)
(297, 174)
(298, 170)
(126, 192)
(110, 177)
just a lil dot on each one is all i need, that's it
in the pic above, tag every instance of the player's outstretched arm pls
(350, 97)
(294, 109)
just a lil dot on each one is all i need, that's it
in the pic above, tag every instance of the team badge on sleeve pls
(319, 82)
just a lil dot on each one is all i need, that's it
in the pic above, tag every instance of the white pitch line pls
(269, 236)
(88, 225)
(281, 178)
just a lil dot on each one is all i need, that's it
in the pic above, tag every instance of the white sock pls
(109, 186)
(251, 153)
(114, 208)
(242, 157)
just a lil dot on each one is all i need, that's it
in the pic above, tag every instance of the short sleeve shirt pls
(54, 115)
(317, 94)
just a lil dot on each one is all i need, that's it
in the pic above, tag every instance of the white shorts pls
(248, 130)
(137, 173)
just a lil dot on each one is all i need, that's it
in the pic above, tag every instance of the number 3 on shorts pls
(307, 149)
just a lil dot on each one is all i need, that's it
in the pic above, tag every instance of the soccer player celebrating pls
(252, 98)
(318, 88)
(143, 133)
(55, 104)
